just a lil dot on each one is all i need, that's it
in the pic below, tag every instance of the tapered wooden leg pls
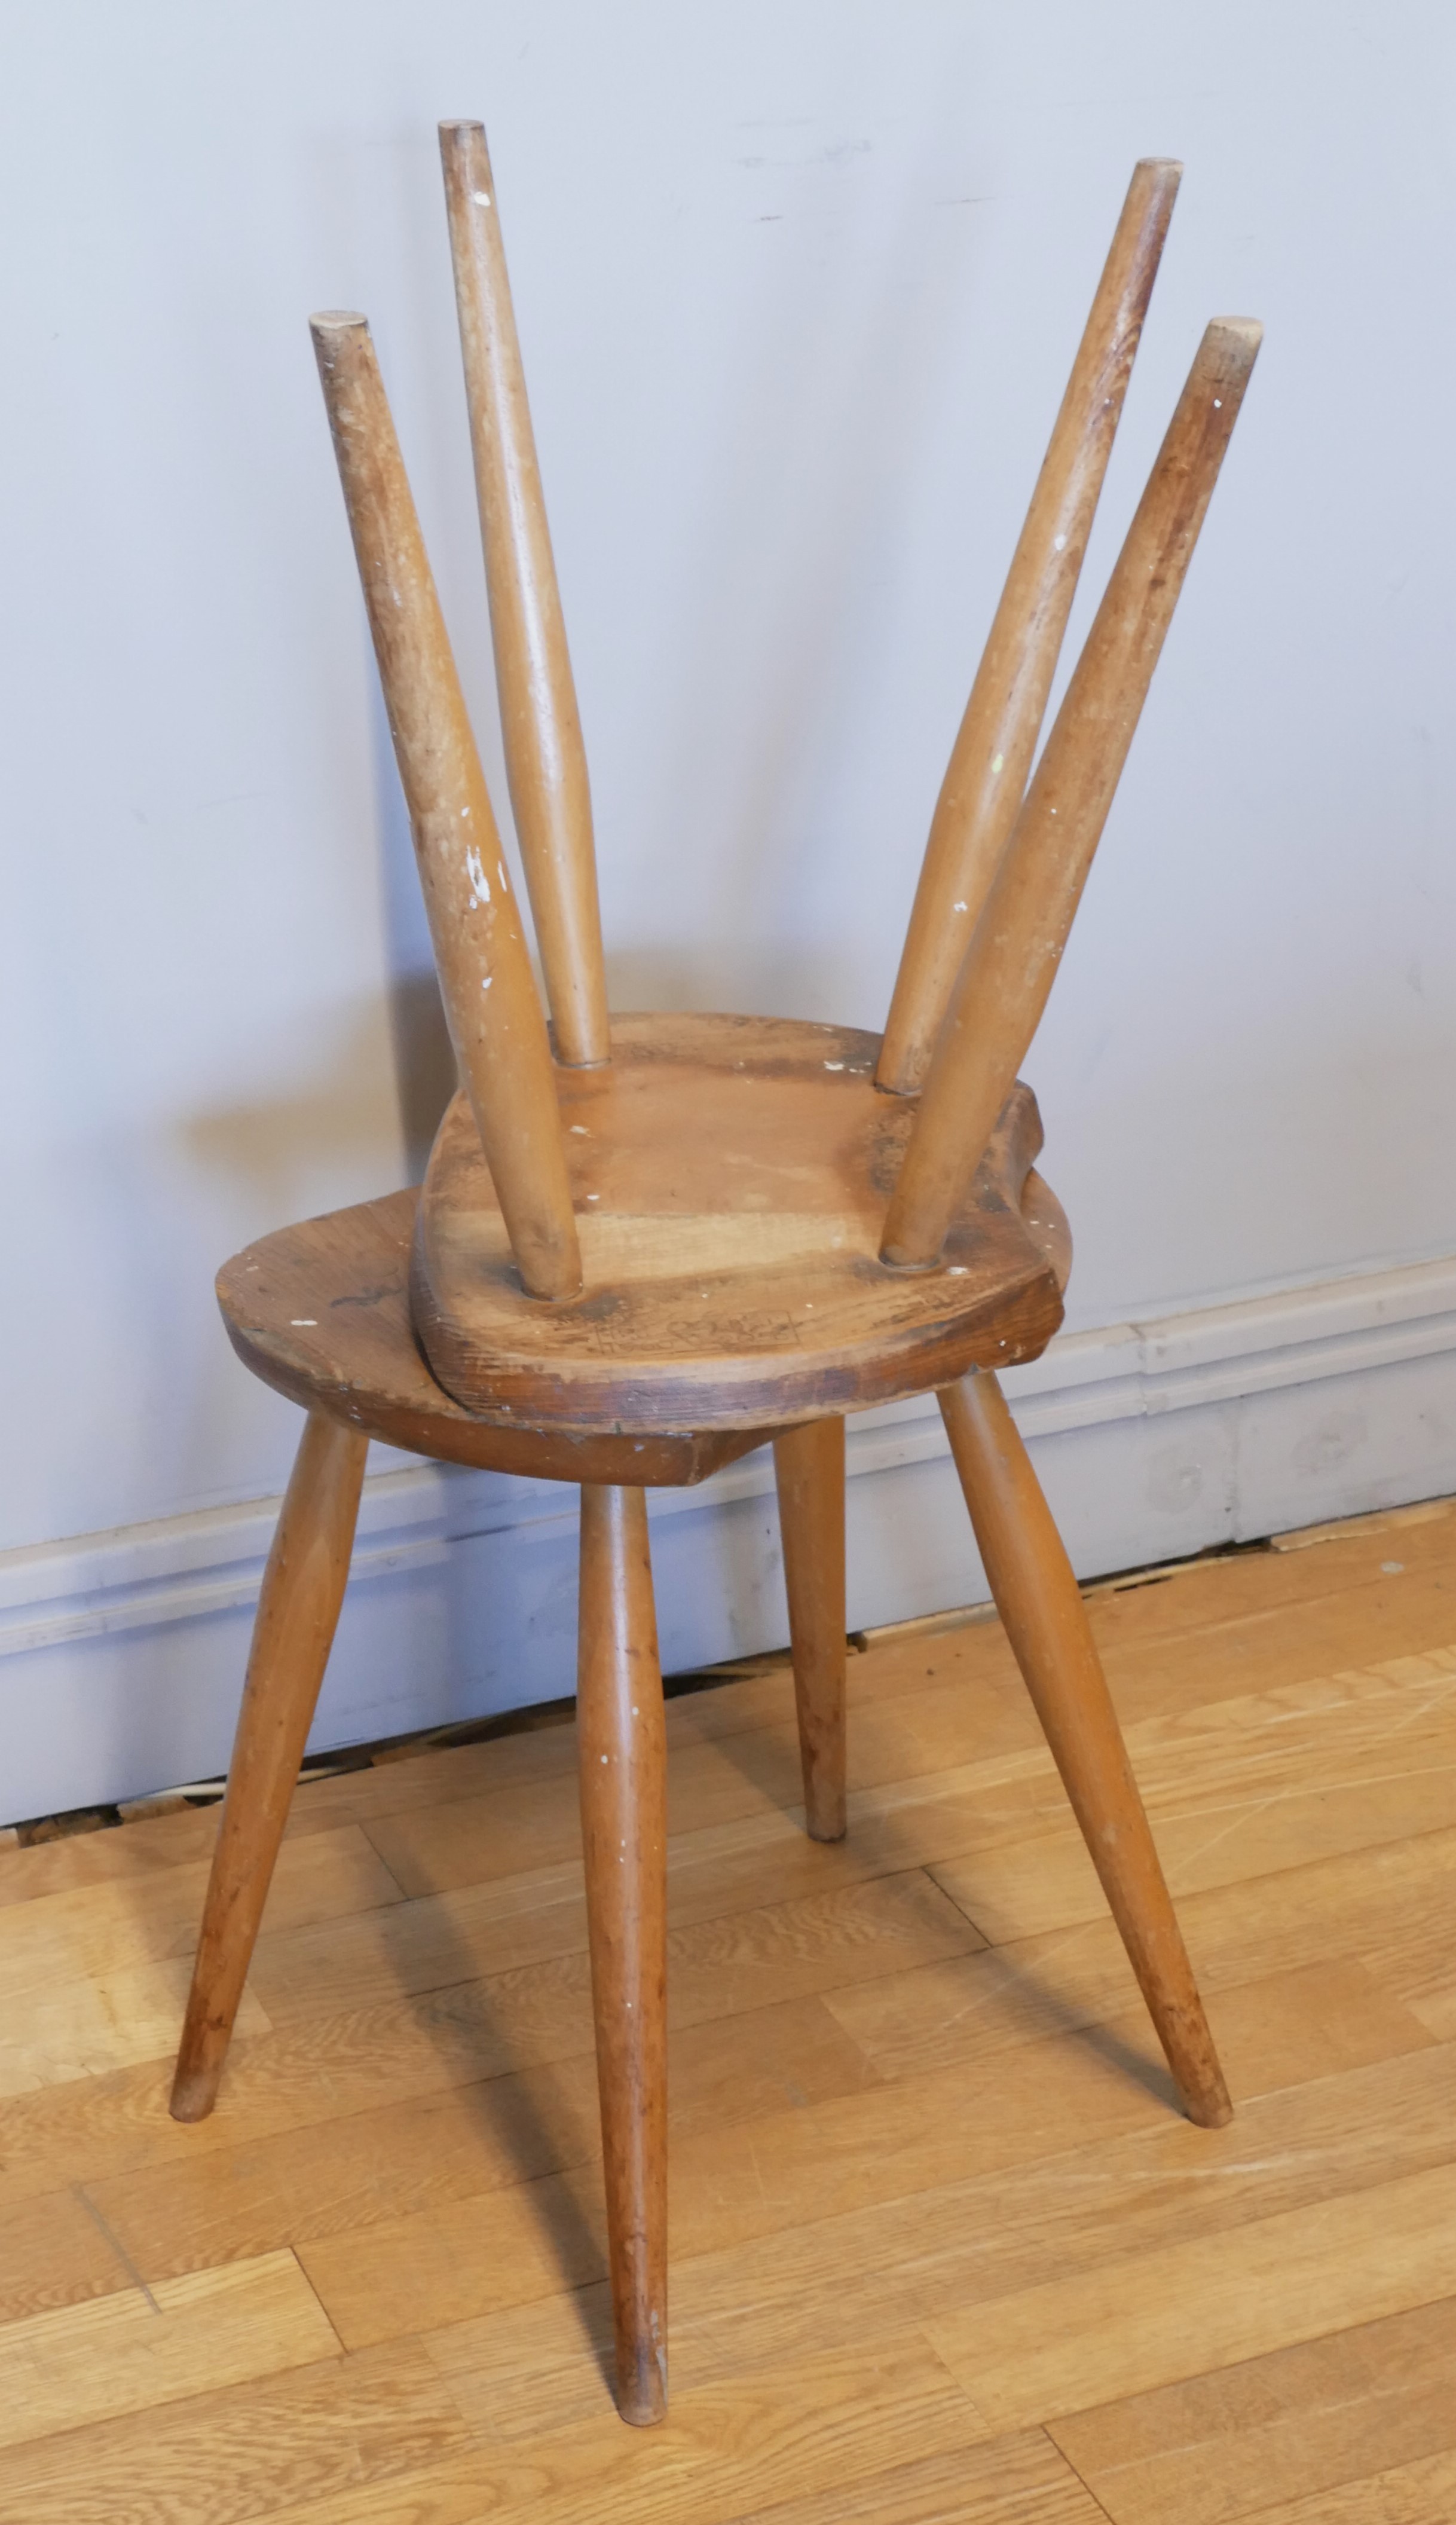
(623, 1752)
(1038, 1600)
(302, 1589)
(809, 1463)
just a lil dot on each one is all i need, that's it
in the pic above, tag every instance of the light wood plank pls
(243, 2453)
(1236, 1789)
(478, 2255)
(99, 2127)
(110, 1853)
(54, 2252)
(1124, 2328)
(1280, 2433)
(1375, 1522)
(1018, 2226)
(1413, 2494)
(736, 2182)
(735, 2447)
(82, 2029)
(722, 2457)
(378, 2054)
(534, 1959)
(497, 1832)
(910, 2257)
(879, 2126)
(1013, 2481)
(337, 2174)
(1246, 1614)
(130, 2352)
(368, 2169)
(754, 1774)
(316, 2068)
(1264, 1613)
(1236, 1622)
(89, 1931)
(1387, 1909)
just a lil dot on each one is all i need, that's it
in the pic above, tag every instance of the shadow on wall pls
(425, 1076)
(724, 977)
(331, 1139)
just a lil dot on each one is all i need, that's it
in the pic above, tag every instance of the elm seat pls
(729, 1177)
(789, 1315)
(646, 1244)
(320, 1312)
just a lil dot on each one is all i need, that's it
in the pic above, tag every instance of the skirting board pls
(121, 1655)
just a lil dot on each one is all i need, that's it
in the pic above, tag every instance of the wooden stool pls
(643, 1248)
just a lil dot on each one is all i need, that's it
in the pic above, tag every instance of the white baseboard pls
(121, 1655)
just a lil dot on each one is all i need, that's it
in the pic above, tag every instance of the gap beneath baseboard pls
(533, 1717)
(121, 1653)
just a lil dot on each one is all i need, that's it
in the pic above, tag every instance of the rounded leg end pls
(642, 2393)
(194, 2092)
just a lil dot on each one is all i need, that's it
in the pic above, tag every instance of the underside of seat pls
(729, 1177)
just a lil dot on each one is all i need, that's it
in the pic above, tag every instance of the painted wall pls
(799, 283)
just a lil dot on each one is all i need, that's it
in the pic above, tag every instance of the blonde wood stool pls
(645, 1246)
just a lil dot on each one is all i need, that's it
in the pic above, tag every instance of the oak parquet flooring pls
(133, 2350)
(915, 2255)
(1208, 2303)
(849, 1932)
(1390, 1905)
(1294, 2426)
(106, 1857)
(94, 1930)
(243, 2452)
(732, 2445)
(727, 2184)
(944, 2251)
(378, 2167)
(54, 2252)
(747, 2178)
(1423, 2492)
(1013, 2481)
(93, 1978)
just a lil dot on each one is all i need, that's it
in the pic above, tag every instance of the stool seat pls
(320, 1312)
(729, 1176)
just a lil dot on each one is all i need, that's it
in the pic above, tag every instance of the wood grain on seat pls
(729, 1176)
(320, 1312)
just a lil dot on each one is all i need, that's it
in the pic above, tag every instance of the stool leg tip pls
(825, 1818)
(194, 2092)
(1212, 2109)
(642, 2391)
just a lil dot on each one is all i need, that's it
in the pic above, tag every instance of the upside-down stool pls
(646, 1244)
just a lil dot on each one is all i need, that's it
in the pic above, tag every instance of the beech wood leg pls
(297, 1611)
(1038, 1600)
(809, 1465)
(623, 1752)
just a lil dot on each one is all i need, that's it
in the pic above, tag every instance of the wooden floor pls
(943, 2248)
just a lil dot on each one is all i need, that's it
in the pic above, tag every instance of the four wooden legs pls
(624, 1783)
(1039, 1603)
(303, 1588)
(809, 1463)
(623, 1756)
